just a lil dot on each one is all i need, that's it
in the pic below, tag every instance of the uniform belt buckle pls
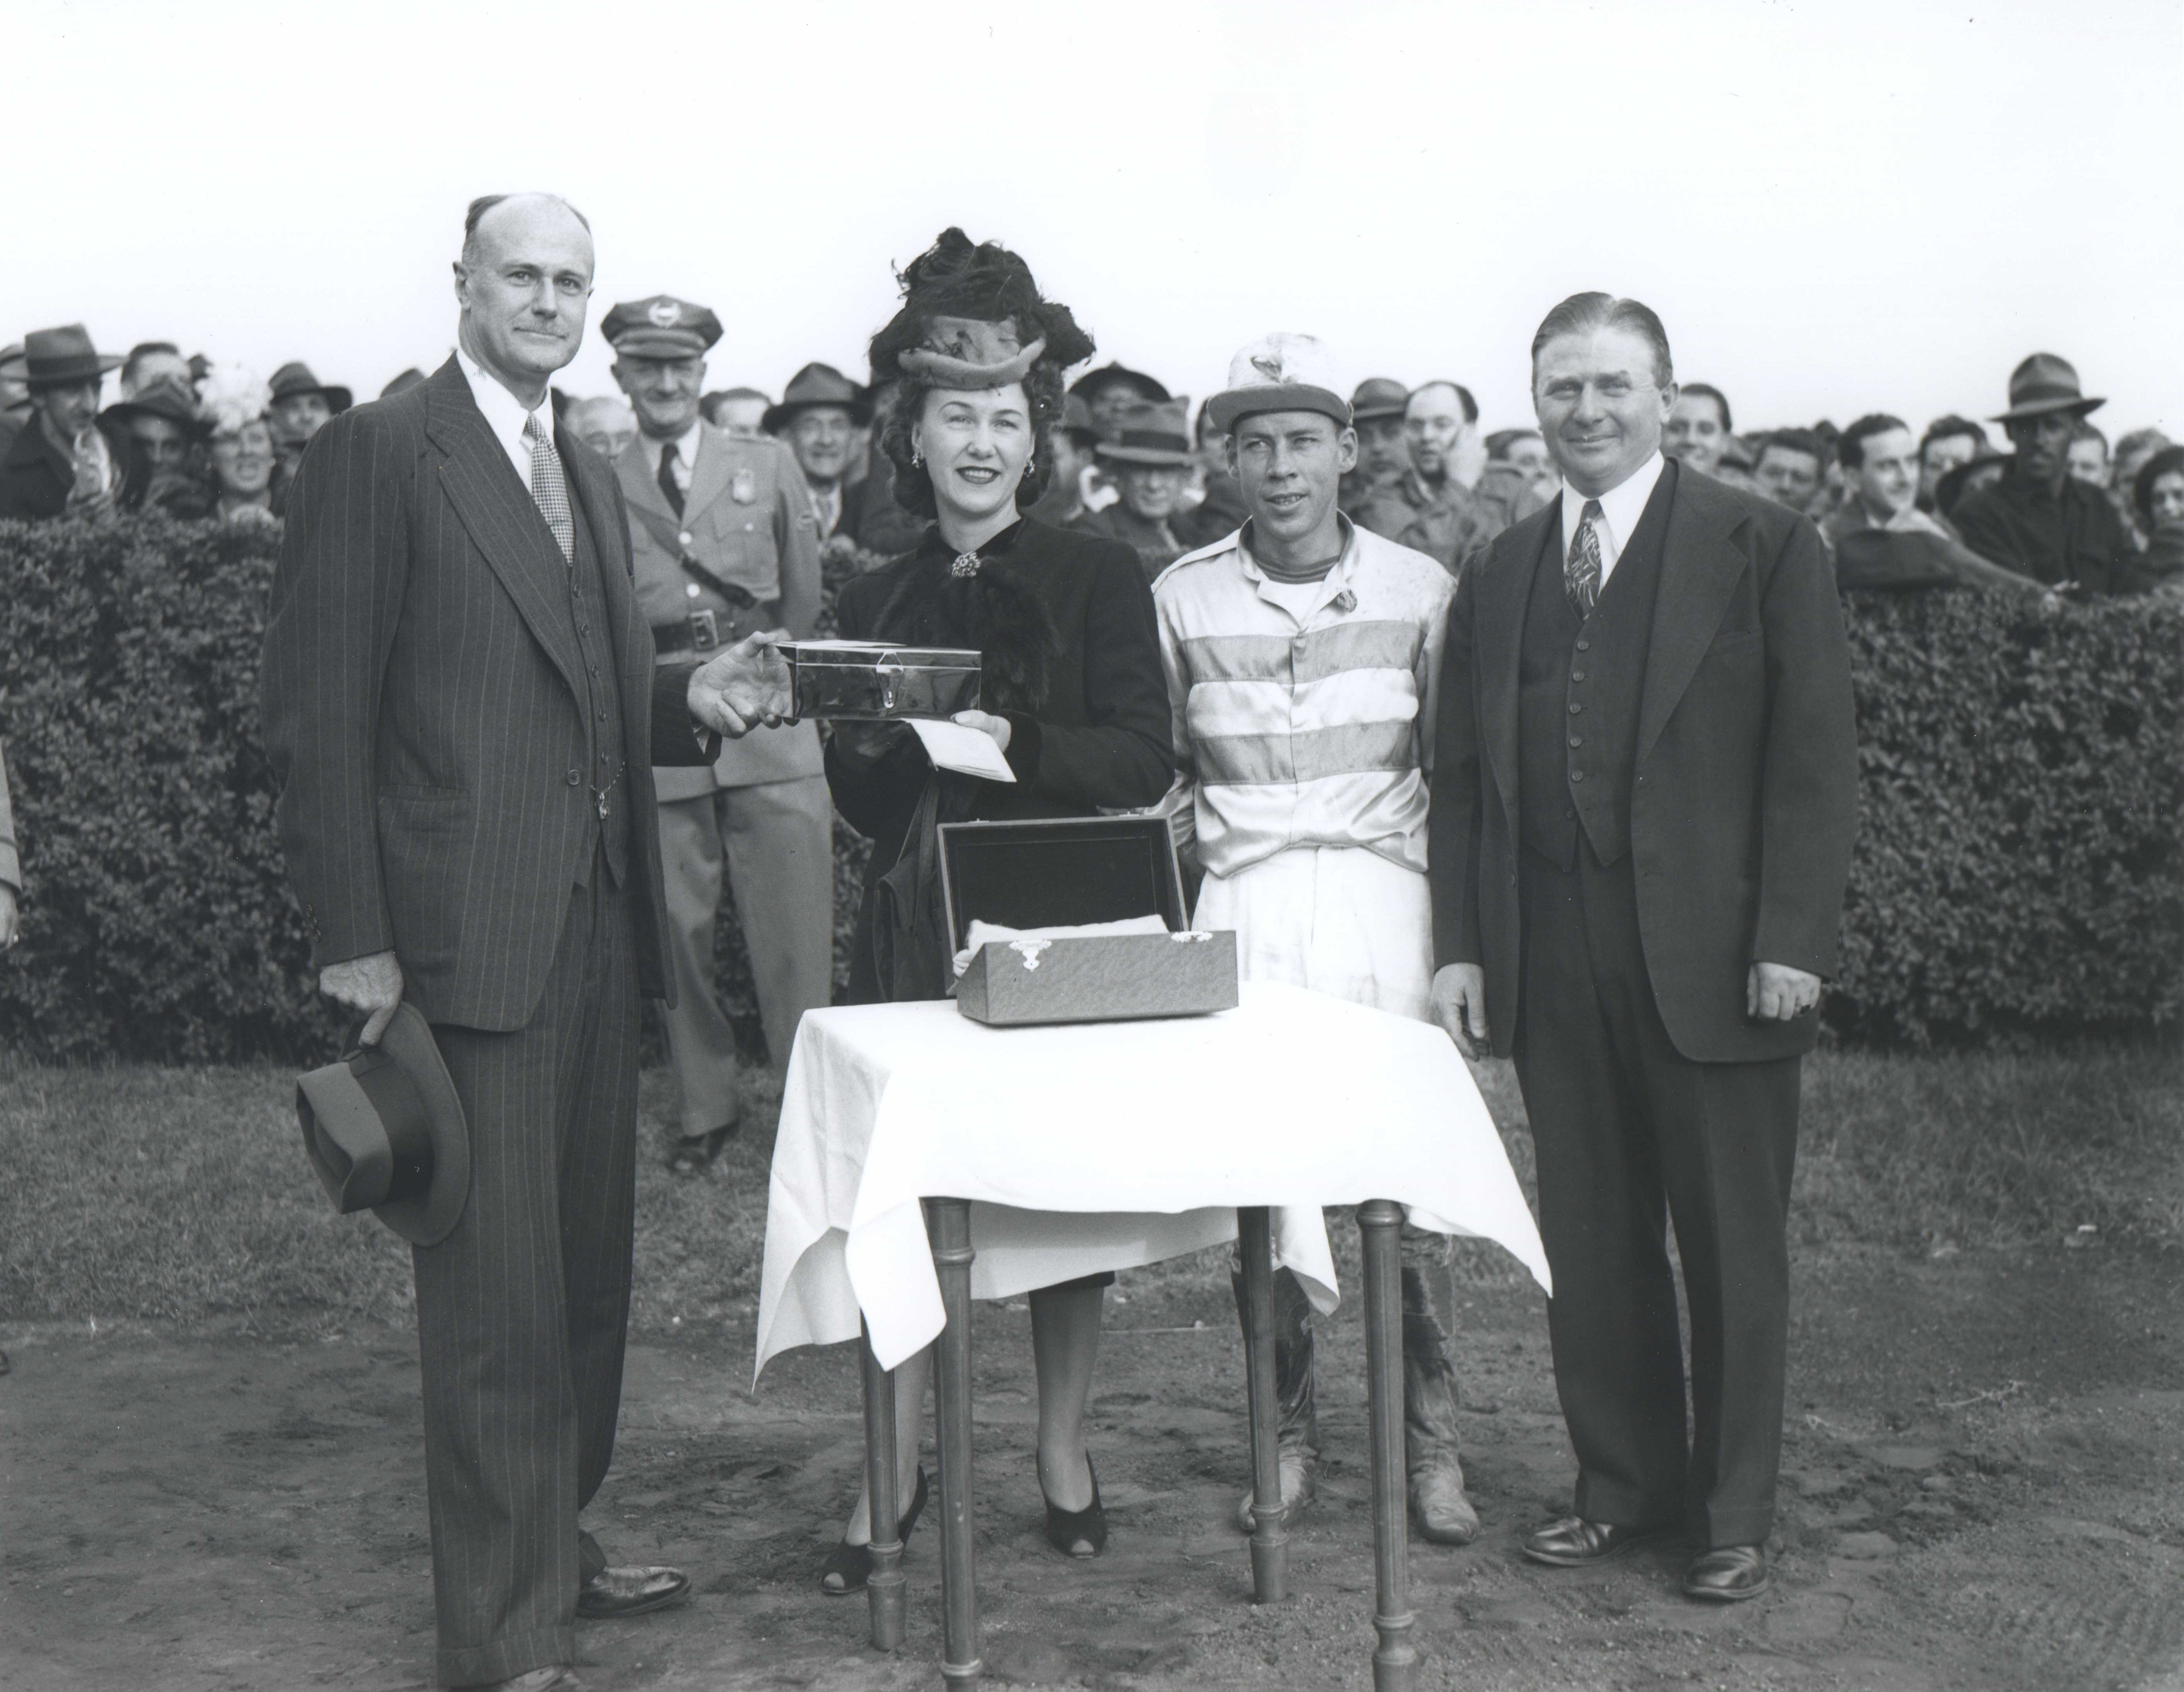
(704, 630)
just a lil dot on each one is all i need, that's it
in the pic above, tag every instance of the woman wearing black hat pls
(1073, 695)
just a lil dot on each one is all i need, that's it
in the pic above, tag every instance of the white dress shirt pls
(504, 414)
(1620, 508)
(685, 455)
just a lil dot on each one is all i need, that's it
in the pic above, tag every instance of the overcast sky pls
(1836, 206)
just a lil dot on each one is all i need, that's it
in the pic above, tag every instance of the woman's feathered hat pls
(972, 316)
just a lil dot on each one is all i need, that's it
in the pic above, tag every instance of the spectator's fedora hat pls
(1379, 396)
(1158, 434)
(1095, 382)
(2045, 383)
(292, 379)
(166, 398)
(409, 378)
(385, 1132)
(817, 384)
(56, 358)
(1279, 372)
(660, 327)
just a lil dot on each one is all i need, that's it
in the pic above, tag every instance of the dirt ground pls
(1984, 1488)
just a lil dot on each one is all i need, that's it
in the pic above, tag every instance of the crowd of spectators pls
(2052, 506)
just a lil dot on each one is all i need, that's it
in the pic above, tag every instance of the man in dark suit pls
(67, 459)
(1643, 799)
(462, 712)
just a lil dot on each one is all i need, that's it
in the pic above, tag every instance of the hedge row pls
(2017, 871)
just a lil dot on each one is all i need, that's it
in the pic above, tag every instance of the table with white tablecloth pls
(1050, 1153)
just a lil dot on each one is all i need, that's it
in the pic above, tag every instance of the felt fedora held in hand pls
(384, 1130)
(292, 379)
(56, 358)
(2045, 383)
(817, 384)
(1152, 434)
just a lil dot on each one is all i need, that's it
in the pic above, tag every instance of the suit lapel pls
(503, 522)
(1505, 587)
(1700, 565)
(709, 476)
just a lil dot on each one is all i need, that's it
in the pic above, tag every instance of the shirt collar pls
(1621, 505)
(686, 447)
(503, 412)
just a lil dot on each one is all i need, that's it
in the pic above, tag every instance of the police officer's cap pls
(660, 327)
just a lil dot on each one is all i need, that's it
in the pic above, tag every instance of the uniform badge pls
(743, 489)
(665, 314)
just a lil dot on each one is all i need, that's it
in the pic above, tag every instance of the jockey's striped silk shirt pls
(1291, 733)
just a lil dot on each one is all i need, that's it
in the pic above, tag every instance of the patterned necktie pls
(549, 487)
(668, 486)
(1581, 570)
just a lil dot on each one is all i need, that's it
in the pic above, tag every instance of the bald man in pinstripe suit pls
(463, 713)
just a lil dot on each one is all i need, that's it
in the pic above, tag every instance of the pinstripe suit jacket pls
(424, 714)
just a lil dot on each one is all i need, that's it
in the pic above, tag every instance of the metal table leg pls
(947, 1224)
(1395, 1663)
(883, 1592)
(1270, 1538)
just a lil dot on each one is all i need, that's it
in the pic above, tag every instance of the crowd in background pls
(2054, 504)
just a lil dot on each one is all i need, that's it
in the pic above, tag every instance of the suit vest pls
(1579, 685)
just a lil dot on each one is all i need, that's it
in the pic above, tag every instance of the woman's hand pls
(997, 727)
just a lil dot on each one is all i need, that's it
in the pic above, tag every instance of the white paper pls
(951, 745)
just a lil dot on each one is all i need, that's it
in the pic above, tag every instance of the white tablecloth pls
(1098, 1146)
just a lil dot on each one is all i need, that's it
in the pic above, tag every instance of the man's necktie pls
(1581, 570)
(549, 488)
(668, 485)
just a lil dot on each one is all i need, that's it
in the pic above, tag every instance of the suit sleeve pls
(1454, 823)
(1808, 779)
(796, 540)
(1121, 758)
(338, 596)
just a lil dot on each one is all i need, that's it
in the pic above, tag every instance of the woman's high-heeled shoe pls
(1066, 1529)
(853, 1564)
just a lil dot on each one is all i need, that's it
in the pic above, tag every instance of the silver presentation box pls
(866, 681)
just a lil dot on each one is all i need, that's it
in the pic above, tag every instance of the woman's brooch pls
(965, 564)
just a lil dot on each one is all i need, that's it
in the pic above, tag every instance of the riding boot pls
(1296, 1416)
(1430, 1443)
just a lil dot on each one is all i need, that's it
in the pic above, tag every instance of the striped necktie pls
(549, 488)
(1581, 569)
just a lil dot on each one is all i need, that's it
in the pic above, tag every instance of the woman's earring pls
(917, 459)
(1031, 464)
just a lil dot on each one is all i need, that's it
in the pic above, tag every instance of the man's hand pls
(987, 723)
(1775, 992)
(744, 687)
(371, 985)
(1458, 1003)
(10, 930)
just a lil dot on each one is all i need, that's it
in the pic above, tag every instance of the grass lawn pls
(181, 1194)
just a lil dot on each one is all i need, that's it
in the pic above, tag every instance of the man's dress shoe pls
(1729, 1574)
(612, 1594)
(1574, 1543)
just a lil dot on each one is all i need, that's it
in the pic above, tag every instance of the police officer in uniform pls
(724, 543)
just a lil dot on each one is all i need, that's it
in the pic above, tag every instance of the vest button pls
(1575, 708)
(1577, 675)
(1577, 775)
(1584, 645)
(575, 777)
(1575, 741)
